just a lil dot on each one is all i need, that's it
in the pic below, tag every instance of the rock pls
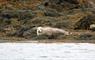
(39, 13)
(92, 27)
(7, 29)
(20, 32)
(61, 5)
(29, 33)
(52, 13)
(86, 37)
(20, 14)
(85, 22)
(49, 11)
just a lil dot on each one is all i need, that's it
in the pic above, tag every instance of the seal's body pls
(50, 31)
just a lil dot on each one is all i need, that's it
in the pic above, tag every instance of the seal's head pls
(39, 31)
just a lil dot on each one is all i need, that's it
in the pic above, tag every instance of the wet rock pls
(7, 29)
(86, 37)
(30, 34)
(60, 5)
(25, 32)
(20, 31)
(49, 11)
(20, 14)
(39, 13)
(85, 22)
(52, 13)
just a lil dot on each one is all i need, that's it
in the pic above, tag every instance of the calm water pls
(49, 51)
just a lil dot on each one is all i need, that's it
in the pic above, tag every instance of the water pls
(47, 51)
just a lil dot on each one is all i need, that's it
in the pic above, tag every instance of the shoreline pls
(47, 41)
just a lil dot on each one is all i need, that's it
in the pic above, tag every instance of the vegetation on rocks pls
(20, 17)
